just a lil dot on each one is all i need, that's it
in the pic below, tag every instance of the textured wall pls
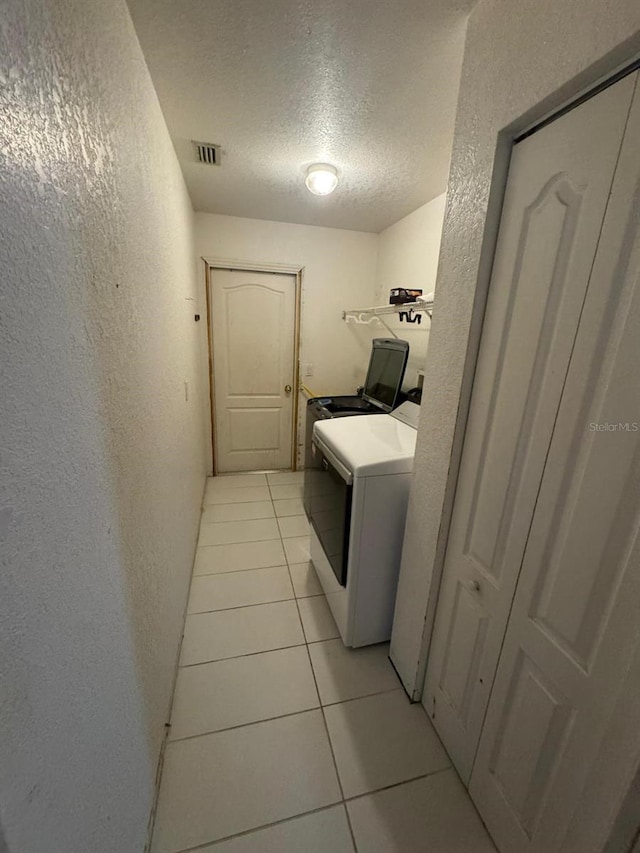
(521, 61)
(408, 257)
(101, 457)
(339, 272)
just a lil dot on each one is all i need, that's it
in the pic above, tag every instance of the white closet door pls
(573, 628)
(559, 183)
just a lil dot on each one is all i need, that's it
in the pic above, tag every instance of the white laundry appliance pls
(356, 491)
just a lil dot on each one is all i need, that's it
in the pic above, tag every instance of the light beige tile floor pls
(317, 620)
(235, 532)
(297, 549)
(230, 633)
(342, 673)
(293, 525)
(281, 492)
(305, 580)
(292, 506)
(237, 512)
(212, 559)
(282, 740)
(429, 814)
(239, 589)
(232, 692)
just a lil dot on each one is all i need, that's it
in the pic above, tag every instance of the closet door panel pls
(573, 628)
(559, 183)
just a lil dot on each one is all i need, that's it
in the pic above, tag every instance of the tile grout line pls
(245, 655)
(237, 520)
(205, 506)
(242, 541)
(333, 757)
(253, 568)
(242, 606)
(234, 571)
(317, 707)
(208, 844)
(251, 541)
(304, 634)
(250, 723)
(342, 803)
(240, 520)
(398, 784)
(326, 728)
(279, 538)
(281, 649)
(324, 721)
(355, 698)
(233, 503)
(261, 604)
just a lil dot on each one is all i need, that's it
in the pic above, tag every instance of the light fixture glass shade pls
(321, 179)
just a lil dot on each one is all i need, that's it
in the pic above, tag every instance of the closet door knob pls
(474, 586)
(288, 389)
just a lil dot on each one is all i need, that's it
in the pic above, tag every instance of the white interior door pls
(557, 191)
(573, 628)
(253, 330)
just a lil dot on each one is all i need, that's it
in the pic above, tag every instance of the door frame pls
(210, 266)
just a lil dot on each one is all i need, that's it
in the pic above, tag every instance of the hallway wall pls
(101, 456)
(408, 257)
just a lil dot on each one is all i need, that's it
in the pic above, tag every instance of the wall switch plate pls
(307, 369)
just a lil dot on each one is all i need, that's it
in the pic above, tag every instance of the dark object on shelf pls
(401, 295)
(414, 395)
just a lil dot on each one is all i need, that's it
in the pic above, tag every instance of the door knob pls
(473, 585)
(288, 389)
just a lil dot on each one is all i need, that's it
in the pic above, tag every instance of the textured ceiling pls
(367, 85)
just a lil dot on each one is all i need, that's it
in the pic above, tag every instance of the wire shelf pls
(366, 315)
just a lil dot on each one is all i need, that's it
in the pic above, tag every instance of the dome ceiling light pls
(321, 178)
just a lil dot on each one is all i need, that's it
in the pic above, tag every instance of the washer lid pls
(369, 445)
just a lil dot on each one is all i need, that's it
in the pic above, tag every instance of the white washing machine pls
(356, 492)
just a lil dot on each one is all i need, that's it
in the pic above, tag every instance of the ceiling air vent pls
(207, 153)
